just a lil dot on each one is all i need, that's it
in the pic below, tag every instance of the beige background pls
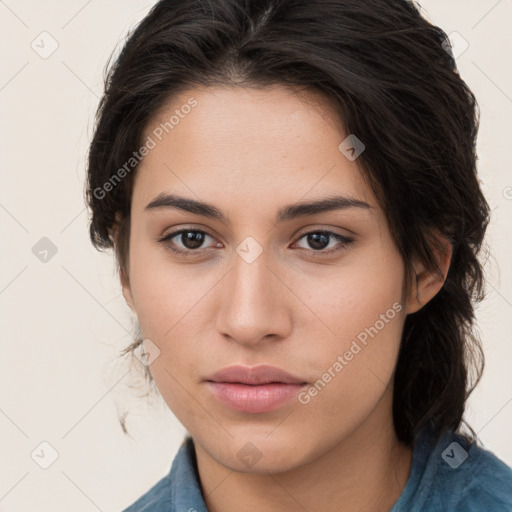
(64, 320)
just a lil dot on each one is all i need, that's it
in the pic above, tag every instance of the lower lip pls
(247, 398)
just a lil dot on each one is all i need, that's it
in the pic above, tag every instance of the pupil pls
(313, 239)
(192, 239)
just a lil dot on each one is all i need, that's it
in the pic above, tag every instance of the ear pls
(127, 293)
(126, 288)
(125, 281)
(427, 283)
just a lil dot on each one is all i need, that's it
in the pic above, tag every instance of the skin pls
(249, 152)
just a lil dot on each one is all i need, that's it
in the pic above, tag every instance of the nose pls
(255, 303)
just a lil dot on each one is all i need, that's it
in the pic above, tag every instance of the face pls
(317, 294)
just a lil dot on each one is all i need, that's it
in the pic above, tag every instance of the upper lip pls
(254, 375)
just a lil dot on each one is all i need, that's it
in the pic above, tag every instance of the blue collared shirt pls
(445, 477)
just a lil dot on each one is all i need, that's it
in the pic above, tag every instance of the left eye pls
(319, 240)
(193, 239)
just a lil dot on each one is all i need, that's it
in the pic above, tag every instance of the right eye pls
(191, 240)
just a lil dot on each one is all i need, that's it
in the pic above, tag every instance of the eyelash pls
(345, 241)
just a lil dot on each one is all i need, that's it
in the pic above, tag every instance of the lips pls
(254, 390)
(255, 375)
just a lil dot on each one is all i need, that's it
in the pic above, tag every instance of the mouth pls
(254, 390)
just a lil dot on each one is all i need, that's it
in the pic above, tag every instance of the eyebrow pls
(292, 211)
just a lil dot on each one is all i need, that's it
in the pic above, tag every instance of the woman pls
(290, 189)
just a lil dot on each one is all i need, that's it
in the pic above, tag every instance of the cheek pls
(164, 292)
(356, 329)
(170, 305)
(353, 370)
(351, 299)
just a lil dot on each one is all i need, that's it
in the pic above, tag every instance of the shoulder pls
(464, 476)
(157, 499)
(178, 490)
(483, 480)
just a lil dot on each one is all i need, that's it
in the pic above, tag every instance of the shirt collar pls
(186, 490)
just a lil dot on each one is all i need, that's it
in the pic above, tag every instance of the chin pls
(260, 453)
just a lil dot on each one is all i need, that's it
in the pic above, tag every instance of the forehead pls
(264, 146)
